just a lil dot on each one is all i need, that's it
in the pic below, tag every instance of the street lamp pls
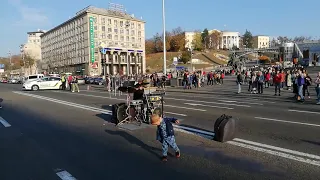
(164, 39)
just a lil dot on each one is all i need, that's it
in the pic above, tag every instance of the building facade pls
(75, 46)
(189, 36)
(229, 40)
(32, 48)
(261, 42)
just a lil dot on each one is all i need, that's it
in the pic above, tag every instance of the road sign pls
(175, 61)
(103, 50)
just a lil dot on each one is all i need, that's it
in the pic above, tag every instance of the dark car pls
(99, 81)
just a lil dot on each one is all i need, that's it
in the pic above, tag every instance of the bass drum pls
(121, 113)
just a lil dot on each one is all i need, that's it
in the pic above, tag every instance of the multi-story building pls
(261, 41)
(229, 40)
(32, 48)
(189, 36)
(75, 46)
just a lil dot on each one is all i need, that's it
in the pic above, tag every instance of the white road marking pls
(166, 112)
(240, 102)
(291, 122)
(89, 95)
(194, 130)
(67, 103)
(4, 122)
(188, 100)
(180, 107)
(65, 175)
(278, 149)
(219, 107)
(308, 112)
(276, 153)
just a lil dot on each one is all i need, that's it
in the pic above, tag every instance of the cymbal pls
(127, 89)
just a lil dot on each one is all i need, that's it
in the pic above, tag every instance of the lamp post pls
(164, 39)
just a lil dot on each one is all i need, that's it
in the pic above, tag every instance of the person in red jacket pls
(267, 79)
(277, 82)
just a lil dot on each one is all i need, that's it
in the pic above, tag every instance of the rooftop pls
(38, 31)
(101, 11)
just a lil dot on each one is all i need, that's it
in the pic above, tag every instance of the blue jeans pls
(169, 141)
(300, 91)
(318, 93)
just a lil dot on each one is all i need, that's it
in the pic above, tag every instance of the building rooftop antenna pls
(116, 7)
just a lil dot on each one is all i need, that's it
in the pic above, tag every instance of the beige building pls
(75, 46)
(189, 38)
(32, 48)
(261, 42)
(229, 40)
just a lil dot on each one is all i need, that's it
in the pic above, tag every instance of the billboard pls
(1, 66)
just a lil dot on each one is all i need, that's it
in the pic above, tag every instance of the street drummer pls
(138, 94)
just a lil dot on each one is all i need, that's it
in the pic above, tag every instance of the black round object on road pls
(118, 112)
(225, 128)
(1, 100)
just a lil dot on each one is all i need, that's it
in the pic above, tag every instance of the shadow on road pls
(311, 142)
(133, 140)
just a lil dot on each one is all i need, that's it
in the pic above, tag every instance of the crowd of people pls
(297, 80)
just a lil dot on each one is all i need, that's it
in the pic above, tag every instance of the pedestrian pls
(239, 81)
(75, 86)
(317, 82)
(301, 83)
(165, 134)
(260, 79)
(277, 83)
(289, 80)
(63, 80)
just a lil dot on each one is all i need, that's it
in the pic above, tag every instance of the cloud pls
(29, 15)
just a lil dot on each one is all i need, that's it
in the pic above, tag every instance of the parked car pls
(99, 81)
(44, 83)
(81, 81)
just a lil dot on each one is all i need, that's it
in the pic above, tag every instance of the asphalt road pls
(48, 134)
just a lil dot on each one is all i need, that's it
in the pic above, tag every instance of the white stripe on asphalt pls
(188, 100)
(67, 103)
(308, 112)
(180, 107)
(89, 95)
(276, 153)
(4, 122)
(290, 122)
(219, 107)
(175, 114)
(285, 153)
(227, 101)
(278, 149)
(65, 175)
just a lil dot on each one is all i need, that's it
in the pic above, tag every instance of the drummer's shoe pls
(164, 158)
(177, 154)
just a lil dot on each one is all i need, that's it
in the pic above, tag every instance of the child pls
(165, 134)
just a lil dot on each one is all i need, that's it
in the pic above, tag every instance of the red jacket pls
(277, 78)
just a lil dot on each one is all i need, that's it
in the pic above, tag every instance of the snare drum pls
(136, 102)
(154, 98)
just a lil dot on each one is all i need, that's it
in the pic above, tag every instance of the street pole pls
(9, 53)
(164, 39)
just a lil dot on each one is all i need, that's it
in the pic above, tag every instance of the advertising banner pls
(91, 31)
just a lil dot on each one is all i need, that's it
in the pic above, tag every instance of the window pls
(110, 36)
(122, 38)
(127, 31)
(133, 33)
(115, 23)
(96, 35)
(103, 21)
(121, 31)
(132, 25)
(109, 22)
(121, 23)
(103, 28)
(128, 38)
(103, 35)
(139, 26)
(95, 28)
(116, 31)
(109, 30)
(116, 37)
(139, 33)
(133, 39)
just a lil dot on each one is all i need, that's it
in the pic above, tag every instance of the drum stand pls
(128, 113)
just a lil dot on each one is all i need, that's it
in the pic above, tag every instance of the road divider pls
(290, 122)
(219, 107)
(4, 122)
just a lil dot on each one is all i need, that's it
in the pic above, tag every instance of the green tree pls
(185, 57)
(247, 39)
(197, 42)
(204, 37)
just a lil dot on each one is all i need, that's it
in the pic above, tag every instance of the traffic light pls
(103, 62)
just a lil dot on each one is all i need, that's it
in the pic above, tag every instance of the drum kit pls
(139, 111)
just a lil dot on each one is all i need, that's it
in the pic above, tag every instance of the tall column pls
(135, 63)
(128, 63)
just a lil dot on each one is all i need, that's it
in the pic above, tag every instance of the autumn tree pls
(204, 38)
(215, 40)
(197, 42)
(177, 41)
(248, 39)
(185, 57)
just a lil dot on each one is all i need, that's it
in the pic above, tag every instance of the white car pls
(44, 83)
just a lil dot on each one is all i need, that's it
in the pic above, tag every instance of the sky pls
(261, 17)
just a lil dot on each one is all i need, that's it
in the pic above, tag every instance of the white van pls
(33, 77)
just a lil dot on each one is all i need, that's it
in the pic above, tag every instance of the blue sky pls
(269, 17)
